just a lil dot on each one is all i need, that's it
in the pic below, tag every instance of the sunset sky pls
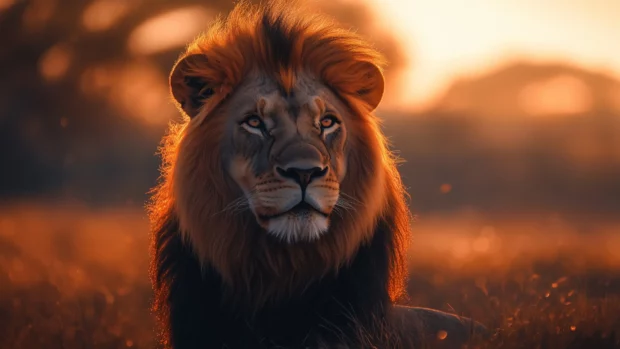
(450, 38)
(443, 40)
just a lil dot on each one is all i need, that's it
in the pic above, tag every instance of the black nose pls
(302, 176)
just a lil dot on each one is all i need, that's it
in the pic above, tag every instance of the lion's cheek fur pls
(200, 188)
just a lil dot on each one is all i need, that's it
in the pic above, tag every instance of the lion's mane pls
(193, 234)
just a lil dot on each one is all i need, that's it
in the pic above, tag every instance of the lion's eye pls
(328, 122)
(254, 122)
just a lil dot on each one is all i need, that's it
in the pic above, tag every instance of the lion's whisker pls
(236, 205)
(345, 205)
(350, 198)
(336, 210)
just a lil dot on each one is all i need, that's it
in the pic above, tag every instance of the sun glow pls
(446, 39)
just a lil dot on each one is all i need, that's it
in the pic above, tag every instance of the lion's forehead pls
(308, 96)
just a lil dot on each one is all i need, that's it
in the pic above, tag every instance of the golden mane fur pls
(195, 188)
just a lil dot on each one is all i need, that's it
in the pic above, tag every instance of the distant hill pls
(520, 89)
(524, 137)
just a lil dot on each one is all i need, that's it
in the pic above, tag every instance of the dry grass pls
(76, 278)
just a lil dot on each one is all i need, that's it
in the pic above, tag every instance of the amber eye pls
(328, 121)
(254, 122)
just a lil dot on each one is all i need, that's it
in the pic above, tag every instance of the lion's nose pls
(303, 177)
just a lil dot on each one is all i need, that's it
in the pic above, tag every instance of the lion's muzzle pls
(303, 176)
(298, 200)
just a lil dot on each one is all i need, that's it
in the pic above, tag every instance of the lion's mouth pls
(301, 209)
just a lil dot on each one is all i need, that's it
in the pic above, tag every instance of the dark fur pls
(280, 41)
(349, 307)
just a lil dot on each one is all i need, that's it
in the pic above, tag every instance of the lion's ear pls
(371, 85)
(188, 86)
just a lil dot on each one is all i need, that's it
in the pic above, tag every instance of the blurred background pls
(507, 114)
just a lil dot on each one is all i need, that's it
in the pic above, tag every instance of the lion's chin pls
(295, 227)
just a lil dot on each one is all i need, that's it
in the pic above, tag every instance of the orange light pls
(169, 30)
(445, 188)
(55, 63)
(103, 14)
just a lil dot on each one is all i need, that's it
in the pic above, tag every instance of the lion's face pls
(287, 154)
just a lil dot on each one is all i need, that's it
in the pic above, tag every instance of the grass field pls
(71, 277)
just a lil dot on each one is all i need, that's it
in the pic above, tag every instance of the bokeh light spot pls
(142, 91)
(103, 14)
(169, 30)
(445, 188)
(55, 63)
(441, 335)
(5, 4)
(95, 80)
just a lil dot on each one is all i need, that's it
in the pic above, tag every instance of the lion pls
(280, 220)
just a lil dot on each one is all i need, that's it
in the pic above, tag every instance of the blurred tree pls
(84, 99)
